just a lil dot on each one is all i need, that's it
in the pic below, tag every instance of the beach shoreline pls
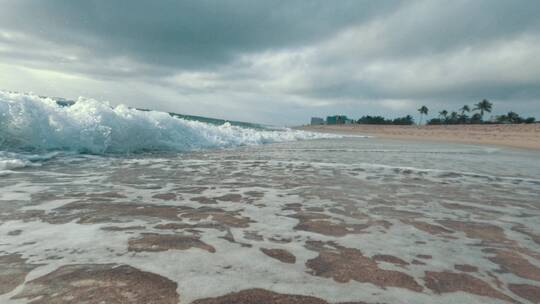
(524, 136)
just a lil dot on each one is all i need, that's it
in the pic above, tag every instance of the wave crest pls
(30, 122)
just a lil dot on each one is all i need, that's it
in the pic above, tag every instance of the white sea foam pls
(10, 160)
(9, 164)
(30, 122)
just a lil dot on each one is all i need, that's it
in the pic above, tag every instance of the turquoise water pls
(29, 123)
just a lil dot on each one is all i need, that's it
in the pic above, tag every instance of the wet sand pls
(518, 136)
(347, 220)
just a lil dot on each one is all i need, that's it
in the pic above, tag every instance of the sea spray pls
(32, 123)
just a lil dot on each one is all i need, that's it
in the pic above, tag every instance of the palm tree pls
(423, 111)
(443, 114)
(463, 117)
(454, 117)
(483, 106)
(476, 118)
(464, 109)
(513, 117)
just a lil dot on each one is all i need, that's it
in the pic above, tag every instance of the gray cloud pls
(184, 34)
(255, 60)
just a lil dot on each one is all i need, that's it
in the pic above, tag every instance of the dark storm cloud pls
(266, 56)
(184, 34)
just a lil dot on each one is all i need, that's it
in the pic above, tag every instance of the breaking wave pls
(33, 123)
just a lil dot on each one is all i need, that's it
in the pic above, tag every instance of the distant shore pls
(516, 135)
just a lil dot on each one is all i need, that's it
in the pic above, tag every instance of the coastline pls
(524, 136)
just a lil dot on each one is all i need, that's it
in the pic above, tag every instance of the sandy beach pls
(518, 135)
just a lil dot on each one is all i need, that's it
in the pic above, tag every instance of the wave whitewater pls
(32, 123)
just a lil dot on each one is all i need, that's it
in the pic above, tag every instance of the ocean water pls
(204, 211)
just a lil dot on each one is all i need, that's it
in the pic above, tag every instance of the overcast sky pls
(277, 62)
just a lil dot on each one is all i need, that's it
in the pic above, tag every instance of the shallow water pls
(350, 219)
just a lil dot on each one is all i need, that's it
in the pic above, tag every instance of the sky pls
(277, 62)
